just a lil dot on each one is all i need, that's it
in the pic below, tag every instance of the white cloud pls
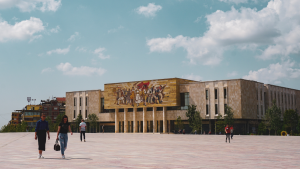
(73, 37)
(46, 70)
(68, 69)
(115, 29)
(100, 54)
(20, 30)
(275, 73)
(59, 51)
(232, 74)
(81, 49)
(148, 11)
(275, 27)
(198, 19)
(35, 38)
(55, 30)
(192, 77)
(235, 1)
(31, 5)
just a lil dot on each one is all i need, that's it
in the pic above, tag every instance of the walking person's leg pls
(80, 135)
(83, 135)
(62, 144)
(41, 142)
(66, 141)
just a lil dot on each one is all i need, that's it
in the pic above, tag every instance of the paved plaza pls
(19, 150)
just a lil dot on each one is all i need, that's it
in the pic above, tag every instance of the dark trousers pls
(228, 136)
(82, 133)
(41, 135)
(231, 135)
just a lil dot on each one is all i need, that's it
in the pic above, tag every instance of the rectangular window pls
(102, 104)
(74, 101)
(285, 98)
(225, 105)
(139, 109)
(55, 108)
(261, 95)
(80, 112)
(271, 96)
(159, 109)
(216, 109)
(257, 110)
(130, 109)
(86, 101)
(45, 108)
(206, 94)
(216, 93)
(184, 99)
(149, 108)
(74, 114)
(207, 110)
(289, 98)
(262, 110)
(225, 93)
(80, 101)
(281, 97)
(32, 108)
(85, 113)
(121, 110)
(256, 94)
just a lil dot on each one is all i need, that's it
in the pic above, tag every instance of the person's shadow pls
(67, 158)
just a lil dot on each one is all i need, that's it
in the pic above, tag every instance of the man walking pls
(103, 128)
(40, 134)
(82, 129)
(227, 131)
(231, 131)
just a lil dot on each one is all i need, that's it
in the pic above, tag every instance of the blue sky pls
(50, 47)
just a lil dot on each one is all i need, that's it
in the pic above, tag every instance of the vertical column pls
(134, 121)
(164, 119)
(144, 120)
(154, 120)
(125, 121)
(116, 121)
(140, 130)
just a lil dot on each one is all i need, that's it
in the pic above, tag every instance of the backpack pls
(56, 146)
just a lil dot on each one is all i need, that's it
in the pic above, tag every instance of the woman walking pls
(62, 134)
(40, 134)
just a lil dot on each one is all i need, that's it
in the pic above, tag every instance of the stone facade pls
(248, 100)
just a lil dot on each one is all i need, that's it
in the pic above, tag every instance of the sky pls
(50, 47)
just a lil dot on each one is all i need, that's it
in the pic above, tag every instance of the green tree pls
(220, 125)
(78, 121)
(178, 123)
(261, 128)
(290, 119)
(194, 118)
(228, 118)
(92, 119)
(24, 126)
(273, 117)
(50, 123)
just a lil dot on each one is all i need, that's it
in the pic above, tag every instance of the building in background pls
(16, 118)
(54, 107)
(154, 105)
(31, 114)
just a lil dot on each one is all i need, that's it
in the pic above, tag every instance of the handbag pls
(56, 146)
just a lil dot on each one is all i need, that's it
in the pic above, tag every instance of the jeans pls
(63, 138)
(231, 135)
(82, 133)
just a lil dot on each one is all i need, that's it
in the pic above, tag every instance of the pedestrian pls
(195, 131)
(82, 130)
(227, 131)
(183, 131)
(209, 132)
(62, 133)
(231, 131)
(40, 134)
(103, 128)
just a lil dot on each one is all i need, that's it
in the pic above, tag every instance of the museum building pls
(152, 106)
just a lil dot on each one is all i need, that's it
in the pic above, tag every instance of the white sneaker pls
(40, 156)
(63, 156)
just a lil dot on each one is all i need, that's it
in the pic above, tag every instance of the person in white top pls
(82, 130)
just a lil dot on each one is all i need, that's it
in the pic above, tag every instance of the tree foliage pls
(21, 127)
(220, 125)
(273, 118)
(178, 123)
(78, 121)
(228, 119)
(290, 119)
(194, 118)
(261, 128)
(92, 119)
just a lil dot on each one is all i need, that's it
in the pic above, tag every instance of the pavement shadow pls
(67, 159)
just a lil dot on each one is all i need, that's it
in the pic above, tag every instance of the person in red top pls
(227, 131)
(231, 131)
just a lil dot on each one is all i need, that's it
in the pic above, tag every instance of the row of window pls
(31, 113)
(86, 101)
(216, 93)
(79, 113)
(287, 98)
(216, 109)
(55, 108)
